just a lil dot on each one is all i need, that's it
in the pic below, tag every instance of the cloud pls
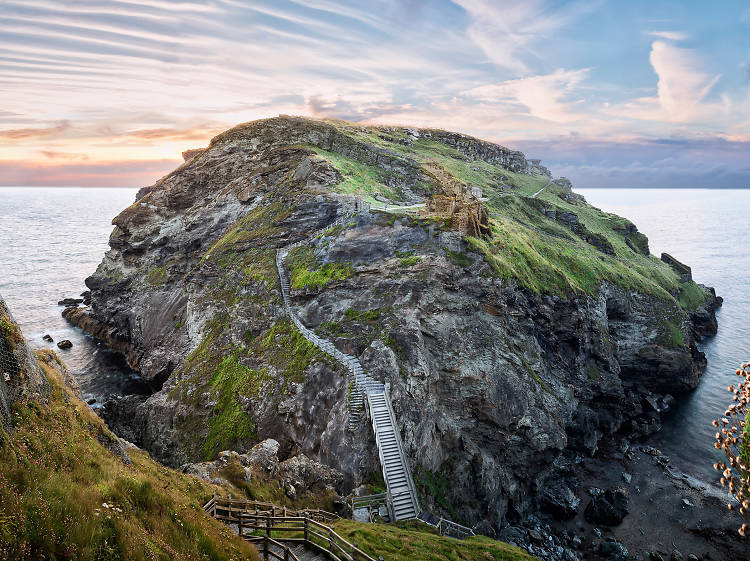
(19, 134)
(545, 97)
(508, 31)
(682, 83)
(54, 155)
(133, 173)
(670, 35)
(340, 108)
(192, 133)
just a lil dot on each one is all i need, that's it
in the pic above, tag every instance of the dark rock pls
(20, 375)
(656, 556)
(67, 302)
(535, 536)
(608, 509)
(560, 501)
(64, 344)
(612, 550)
(676, 555)
(91, 400)
(48, 338)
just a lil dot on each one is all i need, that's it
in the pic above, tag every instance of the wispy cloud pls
(55, 155)
(22, 134)
(509, 32)
(545, 97)
(669, 35)
(683, 83)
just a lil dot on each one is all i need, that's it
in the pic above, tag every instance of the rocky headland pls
(518, 334)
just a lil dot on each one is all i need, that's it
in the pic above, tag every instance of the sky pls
(608, 93)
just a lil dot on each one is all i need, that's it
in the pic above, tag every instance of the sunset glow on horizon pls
(616, 94)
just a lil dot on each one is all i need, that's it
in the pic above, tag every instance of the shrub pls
(733, 438)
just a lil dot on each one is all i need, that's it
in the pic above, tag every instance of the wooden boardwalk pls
(285, 534)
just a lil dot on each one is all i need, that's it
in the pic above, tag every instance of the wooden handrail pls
(268, 521)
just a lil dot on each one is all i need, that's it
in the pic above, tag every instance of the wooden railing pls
(225, 507)
(262, 526)
(265, 546)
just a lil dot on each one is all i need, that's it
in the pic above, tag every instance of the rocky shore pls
(506, 393)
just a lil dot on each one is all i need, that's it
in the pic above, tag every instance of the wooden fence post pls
(307, 539)
(268, 524)
(239, 526)
(265, 548)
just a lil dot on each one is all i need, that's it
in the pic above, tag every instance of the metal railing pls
(372, 503)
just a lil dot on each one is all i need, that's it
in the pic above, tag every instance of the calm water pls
(706, 229)
(51, 239)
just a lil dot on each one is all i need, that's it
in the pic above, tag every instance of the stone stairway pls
(403, 503)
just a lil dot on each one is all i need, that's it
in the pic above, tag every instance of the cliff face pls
(505, 353)
(20, 376)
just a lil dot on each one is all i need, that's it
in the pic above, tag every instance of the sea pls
(51, 239)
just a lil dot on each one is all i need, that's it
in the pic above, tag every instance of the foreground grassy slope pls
(65, 495)
(57, 474)
(526, 243)
(413, 540)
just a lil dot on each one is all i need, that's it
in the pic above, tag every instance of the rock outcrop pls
(20, 375)
(297, 475)
(494, 381)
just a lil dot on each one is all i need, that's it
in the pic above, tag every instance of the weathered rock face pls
(20, 375)
(492, 383)
(297, 475)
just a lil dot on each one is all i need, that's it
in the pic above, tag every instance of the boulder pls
(612, 550)
(560, 501)
(64, 344)
(608, 509)
(68, 302)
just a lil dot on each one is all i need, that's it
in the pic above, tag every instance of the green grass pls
(358, 178)
(9, 332)
(436, 485)
(55, 475)
(459, 258)
(157, 276)
(216, 368)
(412, 541)
(592, 372)
(363, 315)
(306, 272)
(691, 296)
(230, 424)
(672, 336)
